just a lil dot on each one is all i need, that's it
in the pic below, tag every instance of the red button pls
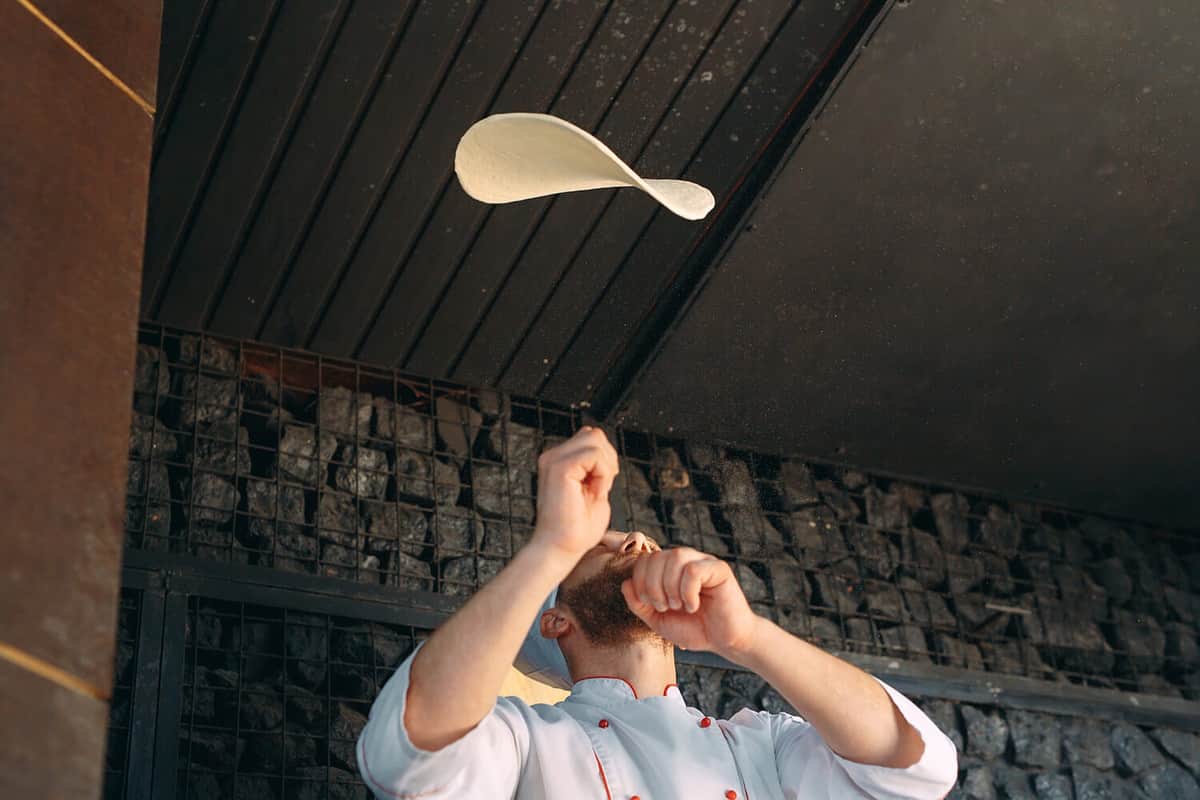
(635, 797)
(704, 723)
(603, 723)
(731, 794)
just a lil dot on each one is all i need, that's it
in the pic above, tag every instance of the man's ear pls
(554, 623)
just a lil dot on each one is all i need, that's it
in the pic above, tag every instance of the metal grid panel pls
(274, 699)
(116, 762)
(251, 454)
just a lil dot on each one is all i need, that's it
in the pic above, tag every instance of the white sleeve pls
(809, 769)
(485, 763)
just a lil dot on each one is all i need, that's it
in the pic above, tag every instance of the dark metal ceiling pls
(303, 192)
(982, 265)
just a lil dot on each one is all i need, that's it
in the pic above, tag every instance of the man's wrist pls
(550, 556)
(745, 653)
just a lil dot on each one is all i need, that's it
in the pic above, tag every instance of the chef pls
(618, 605)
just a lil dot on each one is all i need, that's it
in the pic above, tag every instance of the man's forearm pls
(851, 711)
(457, 674)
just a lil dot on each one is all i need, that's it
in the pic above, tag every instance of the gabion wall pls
(248, 454)
(1012, 754)
(261, 456)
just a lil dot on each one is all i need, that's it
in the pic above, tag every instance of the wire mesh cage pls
(255, 455)
(274, 699)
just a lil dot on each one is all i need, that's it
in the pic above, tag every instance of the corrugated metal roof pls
(303, 193)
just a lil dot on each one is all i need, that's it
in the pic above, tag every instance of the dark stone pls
(843, 506)
(1135, 752)
(216, 750)
(944, 715)
(463, 576)
(1012, 783)
(670, 475)
(1079, 591)
(213, 356)
(457, 426)
(956, 653)
(854, 480)
(266, 752)
(1184, 606)
(151, 379)
(363, 471)
(345, 725)
(906, 641)
(859, 638)
(1142, 640)
(789, 583)
(752, 586)
(923, 558)
(987, 734)
(369, 643)
(817, 536)
(745, 685)
(299, 459)
(393, 527)
(224, 456)
(206, 403)
(839, 587)
(1111, 575)
(150, 439)
(1048, 786)
(344, 413)
(774, 703)
(501, 491)
(928, 609)
(875, 551)
(1183, 746)
(885, 603)
(208, 497)
(338, 519)
(1093, 785)
(950, 517)
(997, 581)
(1067, 641)
(457, 531)
(825, 633)
(692, 526)
(306, 643)
(1087, 741)
(637, 485)
(979, 783)
(1037, 741)
(518, 446)
(1169, 781)
(410, 573)
(754, 534)
(885, 511)
(798, 487)
(964, 573)
(261, 709)
(1000, 530)
(310, 783)
(403, 425)
(977, 617)
(417, 474)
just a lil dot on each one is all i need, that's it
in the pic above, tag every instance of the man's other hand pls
(693, 600)
(574, 479)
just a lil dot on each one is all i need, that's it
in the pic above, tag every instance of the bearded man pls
(618, 606)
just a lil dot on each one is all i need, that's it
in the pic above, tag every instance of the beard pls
(601, 610)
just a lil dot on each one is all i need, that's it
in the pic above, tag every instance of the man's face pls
(592, 591)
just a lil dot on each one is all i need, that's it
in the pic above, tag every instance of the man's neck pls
(646, 665)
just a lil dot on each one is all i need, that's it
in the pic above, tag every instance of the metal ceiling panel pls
(978, 267)
(303, 192)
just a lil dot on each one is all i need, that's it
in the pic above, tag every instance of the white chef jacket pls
(604, 743)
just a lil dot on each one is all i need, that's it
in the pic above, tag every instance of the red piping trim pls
(668, 687)
(600, 767)
(615, 678)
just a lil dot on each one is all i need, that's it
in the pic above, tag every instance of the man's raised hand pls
(693, 600)
(574, 479)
